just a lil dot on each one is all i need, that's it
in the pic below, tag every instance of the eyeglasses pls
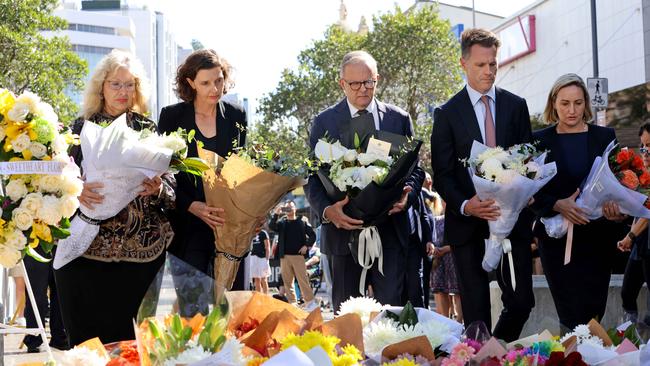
(356, 85)
(644, 151)
(116, 85)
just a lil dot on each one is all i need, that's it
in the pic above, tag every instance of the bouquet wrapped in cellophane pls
(121, 158)
(247, 185)
(370, 167)
(40, 182)
(618, 175)
(511, 178)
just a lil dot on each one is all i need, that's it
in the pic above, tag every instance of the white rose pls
(15, 239)
(9, 257)
(32, 202)
(506, 176)
(50, 183)
(350, 156)
(68, 205)
(50, 213)
(174, 142)
(19, 112)
(534, 168)
(29, 99)
(16, 189)
(21, 143)
(22, 218)
(38, 150)
(59, 145)
(46, 112)
(72, 185)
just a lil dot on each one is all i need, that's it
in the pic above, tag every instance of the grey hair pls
(358, 57)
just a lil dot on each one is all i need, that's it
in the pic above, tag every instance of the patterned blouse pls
(140, 232)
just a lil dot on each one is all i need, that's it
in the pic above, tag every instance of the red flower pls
(491, 361)
(644, 179)
(623, 157)
(629, 179)
(637, 163)
(558, 359)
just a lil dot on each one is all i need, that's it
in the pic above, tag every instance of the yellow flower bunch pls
(400, 362)
(348, 356)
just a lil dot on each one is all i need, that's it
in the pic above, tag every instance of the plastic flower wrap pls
(509, 177)
(197, 334)
(247, 185)
(396, 329)
(618, 175)
(40, 182)
(121, 158)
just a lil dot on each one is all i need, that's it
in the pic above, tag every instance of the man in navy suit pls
(496, 117)
(358, 80)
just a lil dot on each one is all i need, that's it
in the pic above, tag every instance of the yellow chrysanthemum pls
(400, 362)
(310, 340)
(7, 101)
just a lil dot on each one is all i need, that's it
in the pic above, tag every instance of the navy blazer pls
(391, 119)
(558, 188)
(454, 130)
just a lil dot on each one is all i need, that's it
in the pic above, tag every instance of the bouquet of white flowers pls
(372, 179)
(509, 177)
(121, 159)
(40, 182)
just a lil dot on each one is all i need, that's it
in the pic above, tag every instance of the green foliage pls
(43, 64)
(407, 317)
(418, 66)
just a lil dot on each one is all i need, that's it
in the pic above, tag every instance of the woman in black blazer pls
(201, 81)
(579, 288)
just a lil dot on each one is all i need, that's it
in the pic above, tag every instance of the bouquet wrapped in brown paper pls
(247, 187)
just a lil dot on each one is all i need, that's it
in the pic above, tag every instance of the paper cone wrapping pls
(570, 345)
(417, 346)
(596, 329)
(347, 328)
(94, 344)
(492, 348)
(246, 193)
(528, 341)
(258, 307)
(314, 321)
(274, 327)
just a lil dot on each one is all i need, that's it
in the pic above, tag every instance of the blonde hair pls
(93, 101)
(550, 114)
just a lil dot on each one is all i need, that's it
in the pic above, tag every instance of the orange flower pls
(644, 179)
(629, 179)
(637, 162)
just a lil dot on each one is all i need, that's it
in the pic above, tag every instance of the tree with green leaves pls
(197, 45)
(418, 64)
(42, 63)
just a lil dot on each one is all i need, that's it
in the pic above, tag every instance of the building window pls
(517, 39)
(91, 28)
(80, 48)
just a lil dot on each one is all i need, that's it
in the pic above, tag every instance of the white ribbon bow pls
(369, 250)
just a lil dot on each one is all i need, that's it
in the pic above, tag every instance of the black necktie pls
(361, 112)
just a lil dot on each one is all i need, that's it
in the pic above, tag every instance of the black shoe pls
(61, 346)
(33, 349)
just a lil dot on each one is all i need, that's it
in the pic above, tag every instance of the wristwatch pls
(631, 235)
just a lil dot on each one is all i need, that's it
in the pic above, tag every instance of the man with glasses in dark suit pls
(358, 79)
(495, 117)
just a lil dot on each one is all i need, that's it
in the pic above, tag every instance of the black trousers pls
(101, 299)
(475, 290)
(414, 273)
(427, 263)
(637, 271)
(580, 288)
(346, 273)
(41, 277)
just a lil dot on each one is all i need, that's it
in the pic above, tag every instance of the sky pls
(260, 38)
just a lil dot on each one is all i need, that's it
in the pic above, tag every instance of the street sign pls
(598, 91)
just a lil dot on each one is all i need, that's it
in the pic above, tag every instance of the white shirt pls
(479, 106)
(479, 111)
(371, 108)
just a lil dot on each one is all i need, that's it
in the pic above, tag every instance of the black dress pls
(194, 239)
(579, 289)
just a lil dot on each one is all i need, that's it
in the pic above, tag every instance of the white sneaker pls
(310, 306)
(21, 322)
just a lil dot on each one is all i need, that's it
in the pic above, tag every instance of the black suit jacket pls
(392, 119)
(454, 130)
(231, 132)
(560, 186)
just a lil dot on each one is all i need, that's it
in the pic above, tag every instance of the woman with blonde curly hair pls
(126, 255)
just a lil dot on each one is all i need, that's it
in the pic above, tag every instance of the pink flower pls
(452, 361)
(463, 352)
